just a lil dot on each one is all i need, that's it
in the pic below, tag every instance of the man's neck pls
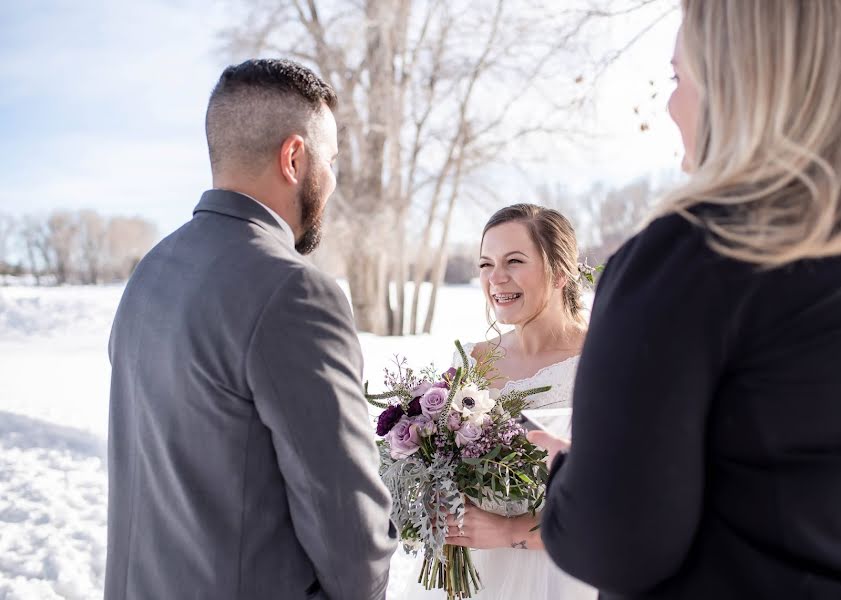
(279, 206)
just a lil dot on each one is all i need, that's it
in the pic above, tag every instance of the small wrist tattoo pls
(520, 545)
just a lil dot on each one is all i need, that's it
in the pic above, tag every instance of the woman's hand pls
(553, 445)
(483, 530)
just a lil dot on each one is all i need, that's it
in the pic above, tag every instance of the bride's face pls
(512, 274)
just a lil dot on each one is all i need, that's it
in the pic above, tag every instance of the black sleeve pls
(624, 504)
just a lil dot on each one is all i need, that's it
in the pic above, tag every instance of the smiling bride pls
(529, 274)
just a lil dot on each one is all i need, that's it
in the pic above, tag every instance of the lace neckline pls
(468, 349)
(538, 373)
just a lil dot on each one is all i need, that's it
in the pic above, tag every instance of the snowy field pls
(54, 379)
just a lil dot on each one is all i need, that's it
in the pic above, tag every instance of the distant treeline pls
(81, 247)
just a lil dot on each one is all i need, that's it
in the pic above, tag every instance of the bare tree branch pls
(432, 92)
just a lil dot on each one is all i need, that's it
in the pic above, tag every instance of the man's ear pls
(291, 159)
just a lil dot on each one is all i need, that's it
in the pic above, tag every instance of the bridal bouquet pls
(448, 438)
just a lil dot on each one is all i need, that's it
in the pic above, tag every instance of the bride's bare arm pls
(524, 533)
(485, 530)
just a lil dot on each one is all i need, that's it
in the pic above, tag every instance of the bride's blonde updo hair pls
(769, 131)
(554, 236)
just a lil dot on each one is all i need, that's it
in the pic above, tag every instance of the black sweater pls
(706, 456)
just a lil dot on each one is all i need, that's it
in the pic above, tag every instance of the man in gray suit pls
(240, 454)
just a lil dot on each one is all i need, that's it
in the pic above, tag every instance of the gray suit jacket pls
(241, 459)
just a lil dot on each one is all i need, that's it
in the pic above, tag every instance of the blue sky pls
(102, 106)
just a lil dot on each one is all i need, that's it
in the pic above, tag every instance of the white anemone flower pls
(473, 403)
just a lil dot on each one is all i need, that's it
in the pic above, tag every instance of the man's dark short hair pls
(258, 104)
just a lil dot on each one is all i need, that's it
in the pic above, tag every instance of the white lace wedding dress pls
(508, 573)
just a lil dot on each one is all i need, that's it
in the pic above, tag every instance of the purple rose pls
(388, 419)
(468, 433)
(414, 408)
(403, 439)
(434, 401)
(421, 389)
(454, 421)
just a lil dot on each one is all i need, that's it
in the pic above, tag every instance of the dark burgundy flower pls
(389, 418)
(414, 408)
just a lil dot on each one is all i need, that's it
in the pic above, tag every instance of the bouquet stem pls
(456, 575)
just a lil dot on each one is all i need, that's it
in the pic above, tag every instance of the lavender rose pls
(421, 389)
(403, 439)
(434, 401)
(468, 433)
(388, 419)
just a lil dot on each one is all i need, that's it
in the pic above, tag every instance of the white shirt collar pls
(287, 230)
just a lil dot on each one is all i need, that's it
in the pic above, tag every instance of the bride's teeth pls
(505, 298)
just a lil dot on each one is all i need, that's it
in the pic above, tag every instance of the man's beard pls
(312, 210)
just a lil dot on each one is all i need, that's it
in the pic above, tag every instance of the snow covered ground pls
(54, 378)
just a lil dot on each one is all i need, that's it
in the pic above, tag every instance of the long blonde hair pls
(768, 151)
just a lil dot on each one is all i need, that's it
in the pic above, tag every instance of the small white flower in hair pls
(588, 273)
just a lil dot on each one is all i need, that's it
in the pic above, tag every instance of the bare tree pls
(7, 230)
(83, 246)
(63, 238)
(622, 212)
(462, 262)
(604, 218)
(39, 255)
(92, 239)
(126, 241)
(582, 209)
(431, 91)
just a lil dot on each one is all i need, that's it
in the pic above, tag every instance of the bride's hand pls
(481, 529)
(553, 445)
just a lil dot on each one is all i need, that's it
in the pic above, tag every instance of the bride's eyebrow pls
(507, 255)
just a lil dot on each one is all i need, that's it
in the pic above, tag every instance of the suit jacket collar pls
(245, 208)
